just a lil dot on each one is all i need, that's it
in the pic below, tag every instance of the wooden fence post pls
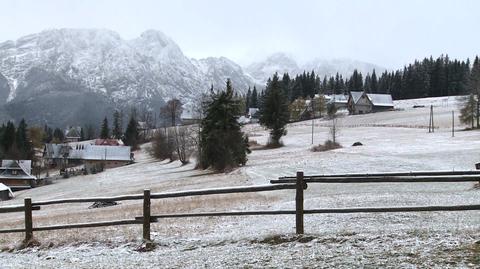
(299, 204)
(477, 167)
(28, 220)
(146, 215)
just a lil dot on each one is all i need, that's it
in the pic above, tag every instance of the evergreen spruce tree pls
(286, 87)
(58, 136)
(468, 111)
(223, 145)
(116, 128)
(254, 99)
(274, 111)
(82, 135)
(48, 134)
(22, 141)
(373, 83)
(248, 99)
(8, 138)
(131, 137)
(331, 86)
(105, 131)
(367, 86)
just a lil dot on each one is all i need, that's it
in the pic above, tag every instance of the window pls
(14, 172)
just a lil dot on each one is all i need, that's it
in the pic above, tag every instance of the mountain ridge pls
(76, 72)
(281, 62)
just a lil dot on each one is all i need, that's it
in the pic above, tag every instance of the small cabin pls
(362, 102)
(73, 134)
(17, 174)
(340, 101)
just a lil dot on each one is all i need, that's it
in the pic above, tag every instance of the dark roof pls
(73, 132)
(24, 166)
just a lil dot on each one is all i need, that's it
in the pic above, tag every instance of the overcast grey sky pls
(388, 33)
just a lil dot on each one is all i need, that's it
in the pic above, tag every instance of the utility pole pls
(313, 117)
(453, 123)
(478, 112)
(431, 126)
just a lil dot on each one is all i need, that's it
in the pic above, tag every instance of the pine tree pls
(131, 137)
(286, 81)
(48, 134)
(367, 86)
(22, 141)
(248, 99)
(469, 111)
(356, 81)
(82, 135)
(254, 100)
(105, 131)
(274, 111)
(474, 84)
(373, 82)
(116, 128)
(58, 136)
(223, 144)
(8, 138)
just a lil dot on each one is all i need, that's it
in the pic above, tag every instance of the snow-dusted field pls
(426, 240)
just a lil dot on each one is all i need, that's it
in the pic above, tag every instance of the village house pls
(95, 158)
(72, 134)
(17, 174)
(362, 102)
(339, 100)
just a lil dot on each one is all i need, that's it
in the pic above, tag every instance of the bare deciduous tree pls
(184, 142)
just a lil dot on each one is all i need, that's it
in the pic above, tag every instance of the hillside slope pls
(393, 239)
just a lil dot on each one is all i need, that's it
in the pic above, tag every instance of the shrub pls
(329, 145)
(162, 147)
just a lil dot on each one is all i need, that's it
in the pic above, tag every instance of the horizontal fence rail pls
(392, 177)
(298, 183)
(241, 189)
(155, 218)
(75, 226)
(10, 209)
(383, 179)
(410, 173)
(393, 209)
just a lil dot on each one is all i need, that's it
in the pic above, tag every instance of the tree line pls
(423, 78)
(16, 142)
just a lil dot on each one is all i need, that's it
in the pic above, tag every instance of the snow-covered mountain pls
(282, 63)
(278, 62)
(78, 76)
(66, 76)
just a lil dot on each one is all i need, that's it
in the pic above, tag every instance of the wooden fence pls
(299, 183)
